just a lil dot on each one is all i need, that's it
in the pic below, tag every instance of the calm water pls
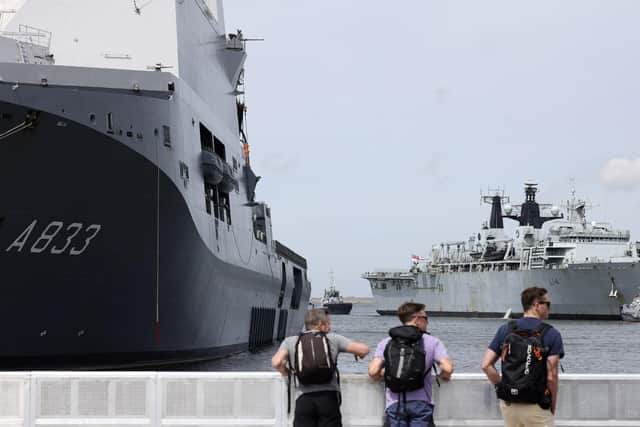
(590, 346)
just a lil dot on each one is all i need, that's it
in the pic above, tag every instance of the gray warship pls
(130, 231)
(589, 268)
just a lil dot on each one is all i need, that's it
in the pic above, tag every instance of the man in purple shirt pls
(419, 403)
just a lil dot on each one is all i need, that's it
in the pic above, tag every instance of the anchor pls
(613, 293)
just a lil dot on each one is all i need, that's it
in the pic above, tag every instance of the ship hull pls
(103, 265)
(578, 292)
(339, 308)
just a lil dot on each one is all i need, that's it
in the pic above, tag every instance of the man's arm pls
(279, 361)
(488, 365)
(376, 368)
(357, 348)
(552, 379)
(446, 368)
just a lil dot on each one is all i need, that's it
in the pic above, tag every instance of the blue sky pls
(376, 124)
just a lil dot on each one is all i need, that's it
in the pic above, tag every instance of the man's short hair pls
(409, 309)
(315, 317)
(531, 295)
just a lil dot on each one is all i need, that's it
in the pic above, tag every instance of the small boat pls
(631, 312)
(333, 302)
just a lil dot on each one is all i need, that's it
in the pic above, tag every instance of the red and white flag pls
(416, 258)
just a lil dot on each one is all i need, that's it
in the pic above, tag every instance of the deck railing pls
(127, 399)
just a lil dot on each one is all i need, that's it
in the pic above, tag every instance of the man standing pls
(414, 405)
(317, 392)
(528, 387)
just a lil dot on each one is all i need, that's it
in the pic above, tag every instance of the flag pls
(416, 258)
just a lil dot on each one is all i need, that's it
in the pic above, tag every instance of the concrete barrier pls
(128, 399)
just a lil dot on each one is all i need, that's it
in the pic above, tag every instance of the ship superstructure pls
(333, 301)
(130, 232)
(589, 268)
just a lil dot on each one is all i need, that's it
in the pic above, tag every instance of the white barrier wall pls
(199, 399)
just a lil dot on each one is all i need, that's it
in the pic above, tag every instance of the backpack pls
(404, 360)
(524, 366)
(312, 362)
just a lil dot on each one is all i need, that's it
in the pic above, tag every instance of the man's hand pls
(279, 362)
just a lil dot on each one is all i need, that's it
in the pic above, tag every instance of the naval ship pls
(589, 268)
(130, 231)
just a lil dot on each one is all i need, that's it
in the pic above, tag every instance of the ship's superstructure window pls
(206, 138)
(109, 123)
(166, 134)
(220, 150)
(207, 200)
(184, 173)
(92, 118)
(260, 223)
(211, 197)
(225, 207)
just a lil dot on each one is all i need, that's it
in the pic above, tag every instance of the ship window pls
(219, 148)
(225, 208)
(184, 173)
(92, 118)
(109, 123)
(166, 132)
(207, 198)
(206, 138)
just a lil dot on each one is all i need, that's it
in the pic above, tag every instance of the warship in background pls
(130, 234)
(333, 301)
(589, 268)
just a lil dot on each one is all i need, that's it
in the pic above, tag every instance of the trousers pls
(417, 413)
(318, 409)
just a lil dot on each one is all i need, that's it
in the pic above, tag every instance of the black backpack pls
(524, 366)
(312, 362)
(404, 360)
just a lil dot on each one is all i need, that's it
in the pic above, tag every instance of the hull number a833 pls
(71, 239)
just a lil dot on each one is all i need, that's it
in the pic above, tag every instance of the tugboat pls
(333, 302)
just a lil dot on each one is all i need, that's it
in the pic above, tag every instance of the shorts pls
(525, 415)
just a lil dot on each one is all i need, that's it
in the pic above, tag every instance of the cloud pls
(623, 174)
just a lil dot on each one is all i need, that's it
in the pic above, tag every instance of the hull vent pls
(261, 328)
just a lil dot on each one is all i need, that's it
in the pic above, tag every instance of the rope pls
(235, 240)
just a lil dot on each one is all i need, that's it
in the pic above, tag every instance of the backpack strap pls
(512, 325)
(542, 329)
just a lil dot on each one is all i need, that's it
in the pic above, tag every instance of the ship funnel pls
(495, 220)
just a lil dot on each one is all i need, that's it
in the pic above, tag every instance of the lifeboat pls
(228, 183)
(213, 167)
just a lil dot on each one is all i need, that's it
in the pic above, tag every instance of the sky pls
(376, 125)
